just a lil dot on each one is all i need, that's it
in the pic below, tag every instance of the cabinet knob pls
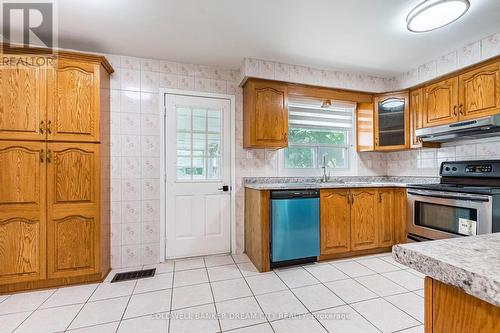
(41, 156)
(41, 126)
(455, 110)
(460, 109)
(49, 124)
(48, 157)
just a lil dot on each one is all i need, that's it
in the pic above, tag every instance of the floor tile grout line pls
(308, 311)
(71, 322)
(171, 299)
(404, 329)
(255, 298)
(418, 320)
(213, 296)
(126, 306)
(347, 304)
(33, 311)
(93, 325)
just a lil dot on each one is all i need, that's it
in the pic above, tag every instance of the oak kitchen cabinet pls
(265, 114)
(416, 120)
(364, 219)
(471, 94)
(54, 194)
(391, 121)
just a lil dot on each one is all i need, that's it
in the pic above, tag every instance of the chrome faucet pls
(324, 179)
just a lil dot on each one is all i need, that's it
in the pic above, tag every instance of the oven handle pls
(448, 195)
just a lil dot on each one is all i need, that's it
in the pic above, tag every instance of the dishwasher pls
(294, 226)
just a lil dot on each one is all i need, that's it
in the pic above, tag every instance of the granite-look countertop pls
(275, 183)
(469, 263)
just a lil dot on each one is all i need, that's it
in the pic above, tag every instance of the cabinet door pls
(73, 101)
(73, 209)
(391, 121)
(480, 92)
(335, 221)
(364, 219)
(415, 117)
(385, 218)
(364, 127)
(22, 212)
(266, 115)
(441, 103)
(22, 102)
(400, 218)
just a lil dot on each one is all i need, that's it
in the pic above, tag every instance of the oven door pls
(439, 215)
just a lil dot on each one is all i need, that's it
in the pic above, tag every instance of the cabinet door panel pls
(270, 109)
(480, 92)
(73, 209)
(22, 102)
(385, 218)
(363, 219)
(74, 101)
(400, 218)
(22, 212)
(335, 221)
(391, 121)
(441, 103)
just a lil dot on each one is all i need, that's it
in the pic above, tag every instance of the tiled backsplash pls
(426, 161)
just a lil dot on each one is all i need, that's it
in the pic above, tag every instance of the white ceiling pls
(358, 35)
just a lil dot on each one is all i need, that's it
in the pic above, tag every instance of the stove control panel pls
(479, 168)
(471, 169)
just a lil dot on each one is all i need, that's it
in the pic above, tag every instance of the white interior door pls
(198, 168)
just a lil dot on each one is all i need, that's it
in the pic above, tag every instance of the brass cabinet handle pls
(48, 157)
(49, 124)
(41, 156)
(41, 126)
(352, 199)
(455, 110)
(460, 109)
(380, 197)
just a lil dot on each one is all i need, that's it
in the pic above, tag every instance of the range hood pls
(469, 129)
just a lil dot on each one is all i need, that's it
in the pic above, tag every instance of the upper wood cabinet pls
(440, 103)
(73, 101)
(265, 114)
(364, 127)
(364, 219)
(22, 101)
(391, 121)
(335, 221)
(54, 227)
(22, 211)
(415, 117)
(479, 92)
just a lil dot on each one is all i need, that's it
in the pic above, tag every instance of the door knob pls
(224, 188)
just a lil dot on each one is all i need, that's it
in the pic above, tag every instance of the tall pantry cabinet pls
(54, 171)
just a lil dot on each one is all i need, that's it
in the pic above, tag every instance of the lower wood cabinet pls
(361, 219)
(50, 215)
(335, 221)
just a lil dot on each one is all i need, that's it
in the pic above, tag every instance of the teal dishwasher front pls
(294, 225)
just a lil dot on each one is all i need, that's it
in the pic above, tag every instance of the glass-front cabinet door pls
(391, 121)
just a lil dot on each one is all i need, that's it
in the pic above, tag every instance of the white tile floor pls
(226, 293)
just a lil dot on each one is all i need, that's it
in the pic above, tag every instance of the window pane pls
(214, 145)
(184, 142)
(183, 167)
(199, 120)
(316, 136)
(299, 158)
(198, 169)
(336, 158)
(199, 144)
(213, 168)
(183, 119)
(214, 120)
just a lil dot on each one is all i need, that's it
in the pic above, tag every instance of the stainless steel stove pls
(465, 202)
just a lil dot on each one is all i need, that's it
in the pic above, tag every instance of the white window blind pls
(337, 116)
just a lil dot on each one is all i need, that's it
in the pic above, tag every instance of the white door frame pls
(163, 155)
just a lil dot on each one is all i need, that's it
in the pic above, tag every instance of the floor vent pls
(134, 275)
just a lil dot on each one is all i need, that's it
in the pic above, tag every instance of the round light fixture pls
(434, 14)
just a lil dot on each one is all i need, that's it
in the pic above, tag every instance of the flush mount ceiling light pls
(434, 14)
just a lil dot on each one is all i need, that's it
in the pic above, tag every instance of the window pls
(198, 143)
(318, 135)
